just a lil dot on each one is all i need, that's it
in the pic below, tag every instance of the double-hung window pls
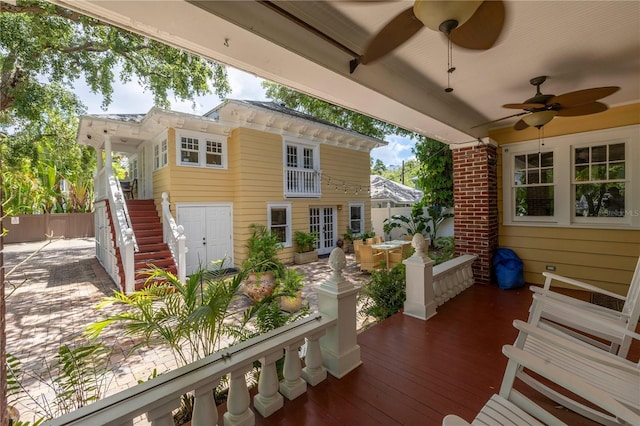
(202, 150)
(356, 218)
(599, 180)
(588, 179)
(279, 221)
(160, 155)
(533, 184)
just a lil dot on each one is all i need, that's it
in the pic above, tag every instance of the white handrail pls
(159, 396)
(125, 238)
(173, 236)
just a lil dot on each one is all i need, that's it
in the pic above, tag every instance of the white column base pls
(268, 406)
(420, 311)
(314, 377)
(248, 418)
(293, 390)
(340, 365)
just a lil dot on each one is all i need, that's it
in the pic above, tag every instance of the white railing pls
(429, 286)
(125, 240)
(452, 277)
(158, 397)
(173, 236)
(330, 337)
(105, 248)
(302, 182)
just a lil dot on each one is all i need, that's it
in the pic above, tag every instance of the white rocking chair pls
(553, 315)
(602, 379)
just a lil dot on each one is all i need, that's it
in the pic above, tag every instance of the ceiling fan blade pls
(584, 109)
(582, 96)
(500, 119)
(483, 28)
(523, 106)
(520, 125)
(400, 29)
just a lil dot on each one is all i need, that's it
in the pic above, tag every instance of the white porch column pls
(337, 298)
(108, 156)
(420, 301)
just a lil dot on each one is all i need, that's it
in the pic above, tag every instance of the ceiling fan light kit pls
(539, 118)
(434, 14)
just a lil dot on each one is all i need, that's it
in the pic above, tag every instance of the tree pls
(378, 167)
(44, 49)
(41, 41)
(436, 171)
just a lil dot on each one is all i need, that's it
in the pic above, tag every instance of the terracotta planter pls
(307, 257)
(291, 304)
(257, 286)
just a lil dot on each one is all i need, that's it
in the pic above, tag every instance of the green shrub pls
(445, 247)
(385, 294)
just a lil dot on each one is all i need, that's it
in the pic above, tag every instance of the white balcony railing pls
(302, 182)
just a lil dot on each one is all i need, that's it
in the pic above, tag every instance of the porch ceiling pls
(577, 44)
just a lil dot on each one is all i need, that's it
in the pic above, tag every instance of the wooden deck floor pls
(416, 372)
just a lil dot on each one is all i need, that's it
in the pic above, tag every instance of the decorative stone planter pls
(308, 257)
(257, 286)
(291, 304)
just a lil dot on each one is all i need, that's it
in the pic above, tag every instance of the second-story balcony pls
(302, 183)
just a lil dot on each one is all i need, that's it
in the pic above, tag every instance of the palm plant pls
(191, 317)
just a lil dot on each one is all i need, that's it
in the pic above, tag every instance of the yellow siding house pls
(243, 162)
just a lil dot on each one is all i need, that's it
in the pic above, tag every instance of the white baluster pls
(181, 258)
(128, 262)
(205, 411)
(268, 400)
(238, 400)
(292, 386)
(313, 372)
(161, 416)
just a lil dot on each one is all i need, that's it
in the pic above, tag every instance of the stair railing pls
(173, 236)
(125, 239)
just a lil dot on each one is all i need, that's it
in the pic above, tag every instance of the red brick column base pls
(475, 195)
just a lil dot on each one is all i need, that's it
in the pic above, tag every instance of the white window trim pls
(202, 149)
(157, 142)
(361, 205)
(305, 144)
(287, 207)
(563, 147)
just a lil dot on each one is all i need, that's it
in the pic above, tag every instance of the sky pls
(129, 98)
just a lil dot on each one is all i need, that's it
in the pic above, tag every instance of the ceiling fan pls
(541, 108)
(468, 24)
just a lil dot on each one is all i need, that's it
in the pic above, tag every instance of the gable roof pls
(385, 189)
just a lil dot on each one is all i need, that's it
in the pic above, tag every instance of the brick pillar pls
(475, 195)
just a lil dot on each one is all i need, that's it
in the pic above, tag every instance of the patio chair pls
(371, 241)
(396, 256)
(567, 368)
(356, 249)
(555, 315)
(618, 377)
(129, 189)
(369, 260)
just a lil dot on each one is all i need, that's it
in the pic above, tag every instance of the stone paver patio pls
(51, 299)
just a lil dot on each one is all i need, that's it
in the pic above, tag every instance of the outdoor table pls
(388, 246)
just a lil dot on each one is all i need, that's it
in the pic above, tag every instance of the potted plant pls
(262, 264)
(305, 243)
(290, 285)
(348, 238)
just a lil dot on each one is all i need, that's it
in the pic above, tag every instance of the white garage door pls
(208, 229)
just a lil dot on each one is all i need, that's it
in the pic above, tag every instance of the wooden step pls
(143, 233)
(147, 225)
(152, 247)
(159, 263)
(151, 255)
(155, 239)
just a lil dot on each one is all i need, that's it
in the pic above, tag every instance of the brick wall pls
(475, 194)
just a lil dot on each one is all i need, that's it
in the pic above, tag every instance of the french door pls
(322, 220)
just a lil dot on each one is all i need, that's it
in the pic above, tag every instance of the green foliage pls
(40, 39)
(291, 282)
(262, 255)
(191, 317)
(79, 376)
(329, 112)
(385, 294)
(437, 215)
(378, 168)
(436, 171)
(305, 241)
(416, 224)
(445, 247)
